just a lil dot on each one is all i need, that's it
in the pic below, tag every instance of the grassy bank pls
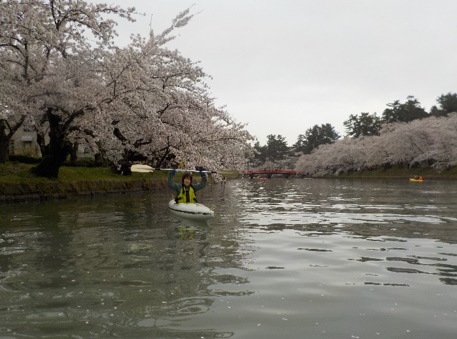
(17, 183)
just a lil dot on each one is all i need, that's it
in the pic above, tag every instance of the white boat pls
(195, 211)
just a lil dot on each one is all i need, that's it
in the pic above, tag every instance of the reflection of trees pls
(182, 264)
(390, 239)
(402, 232)
(115, 265)
(408, 264)
(390, 214)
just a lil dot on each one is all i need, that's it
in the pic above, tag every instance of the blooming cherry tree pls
(426, 142)
(63, 74)
(49, 52)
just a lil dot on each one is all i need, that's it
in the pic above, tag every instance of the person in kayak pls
(186, 191)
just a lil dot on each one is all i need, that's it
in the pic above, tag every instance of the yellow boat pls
(419, 179)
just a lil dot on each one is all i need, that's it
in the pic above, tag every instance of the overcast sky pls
(283, 66)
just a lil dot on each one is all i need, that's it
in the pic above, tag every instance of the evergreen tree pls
(364, 125)
(409, 111)
(448, 104)
(314, 137)
(260, 154)
(276, 148)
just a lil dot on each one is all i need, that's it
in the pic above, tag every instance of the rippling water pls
(291, 258)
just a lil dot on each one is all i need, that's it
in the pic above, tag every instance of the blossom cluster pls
(64, 76)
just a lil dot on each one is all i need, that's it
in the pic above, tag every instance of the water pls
(283, 258)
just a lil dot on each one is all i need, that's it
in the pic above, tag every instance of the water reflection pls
(351, 209)
(279, 257)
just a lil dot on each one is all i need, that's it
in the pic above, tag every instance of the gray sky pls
(283, 66)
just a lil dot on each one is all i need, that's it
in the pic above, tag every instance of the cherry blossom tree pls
(441, 151)
(63, 72)
(169, 109)
(49, 53)
(158, 104)
(429, 142)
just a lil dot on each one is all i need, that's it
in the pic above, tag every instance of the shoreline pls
(58, 190)
(18, 185)
(27, 192)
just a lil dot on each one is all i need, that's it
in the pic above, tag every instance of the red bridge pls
(269, 172)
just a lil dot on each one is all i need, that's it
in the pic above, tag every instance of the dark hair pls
(186, 175)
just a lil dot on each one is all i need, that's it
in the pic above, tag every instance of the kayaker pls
(186, 191)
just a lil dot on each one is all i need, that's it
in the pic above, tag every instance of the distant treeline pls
(404, 134)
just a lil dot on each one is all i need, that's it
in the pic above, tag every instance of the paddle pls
(139, 168)
(183, 170)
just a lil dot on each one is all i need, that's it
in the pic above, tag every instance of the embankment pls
(30, 191)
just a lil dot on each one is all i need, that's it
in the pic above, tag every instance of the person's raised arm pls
(203, 183)
(171, 182)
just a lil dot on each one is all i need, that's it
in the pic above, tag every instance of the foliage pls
(315, 137)
(259, 156)
(363, 125)
(430, 142)
(63, 77)
(406, 112)
(367, 124)
(140, 102)
(276, 148)
(447, 103)
(275, 154)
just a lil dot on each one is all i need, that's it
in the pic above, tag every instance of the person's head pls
(187, 179)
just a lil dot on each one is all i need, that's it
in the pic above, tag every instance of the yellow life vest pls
(186, 195)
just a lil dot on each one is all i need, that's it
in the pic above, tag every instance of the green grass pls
(17, 182)
(15, 172)
(12, 172)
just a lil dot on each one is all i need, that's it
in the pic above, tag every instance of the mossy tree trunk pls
(4, 153)
(58, 149)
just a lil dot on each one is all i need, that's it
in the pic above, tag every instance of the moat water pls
(290, 258)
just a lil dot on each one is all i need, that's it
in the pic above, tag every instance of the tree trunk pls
(4, 153)
(4, 142)
(40, 139)
(6, 133)
(58, 149)
(50, 165)
(74, 154)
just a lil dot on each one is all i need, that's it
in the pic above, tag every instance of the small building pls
(24, 142)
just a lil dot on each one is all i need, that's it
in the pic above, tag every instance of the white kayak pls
(195, 211)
